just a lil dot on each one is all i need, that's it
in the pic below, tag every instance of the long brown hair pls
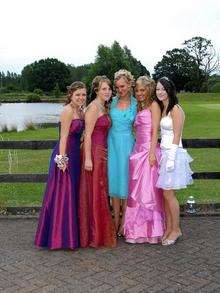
(76, 85)
(96, 83)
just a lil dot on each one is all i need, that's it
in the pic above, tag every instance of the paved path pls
(192, 265)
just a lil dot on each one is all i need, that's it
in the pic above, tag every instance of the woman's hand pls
(63, 167)
(152, 159)
(88, 165)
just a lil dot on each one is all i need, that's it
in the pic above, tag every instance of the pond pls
(19, 115)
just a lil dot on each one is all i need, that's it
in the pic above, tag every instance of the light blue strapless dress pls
(120, 145)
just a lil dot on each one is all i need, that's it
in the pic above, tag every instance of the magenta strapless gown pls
(58, 221)
(144, 218)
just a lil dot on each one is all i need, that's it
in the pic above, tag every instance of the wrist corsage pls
(61, 160)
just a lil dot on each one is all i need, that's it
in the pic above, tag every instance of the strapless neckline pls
(75, 119)
(102, 116)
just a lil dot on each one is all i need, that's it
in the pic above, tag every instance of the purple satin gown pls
(58, 224)
(144, 218)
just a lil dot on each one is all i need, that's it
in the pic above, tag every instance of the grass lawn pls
(39, 134)
(202, 121)
(202, 115)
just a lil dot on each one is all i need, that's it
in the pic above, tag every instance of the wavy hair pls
(149, 84)
(96, 84)
(76, 85)
(123, 73)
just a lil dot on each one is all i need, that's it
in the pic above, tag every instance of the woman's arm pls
(91, 117)
(65, 119)
(177, 116)
(156, 115)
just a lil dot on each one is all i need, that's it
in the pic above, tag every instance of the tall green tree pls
(10, 82)
(206, 58)
(111, 59)
(78, 72)
(45, 74)
(180, 66)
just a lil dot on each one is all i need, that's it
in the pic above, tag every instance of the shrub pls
(38, 92)
(33, 98)
(3, 90)
(11, 128)
(215, 88)
(56, 91)
(30, 126)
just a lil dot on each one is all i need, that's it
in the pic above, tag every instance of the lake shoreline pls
(21, 116)
(50, 101)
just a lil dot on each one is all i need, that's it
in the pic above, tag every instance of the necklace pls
(99, 105)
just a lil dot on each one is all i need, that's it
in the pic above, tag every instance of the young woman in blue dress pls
(120, 143)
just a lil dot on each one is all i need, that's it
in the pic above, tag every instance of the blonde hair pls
(150, 85)
(123, 73)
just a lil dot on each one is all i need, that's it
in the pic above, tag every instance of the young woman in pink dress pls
(95, 221)
(144, 218)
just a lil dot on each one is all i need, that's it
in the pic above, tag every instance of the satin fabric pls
(58, 221)
(120, 145)
(95, 220)
(181, 175)
(144, 218)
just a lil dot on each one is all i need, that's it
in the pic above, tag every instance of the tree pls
(207, 61)
(45, 74)
(78, 72)
(212, 85)
(56, 91)
(111, 59)
(179, 66)
(10, 82)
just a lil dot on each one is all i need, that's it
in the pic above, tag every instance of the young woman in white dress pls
(174, 172)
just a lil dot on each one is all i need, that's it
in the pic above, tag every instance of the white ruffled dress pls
(181, 176)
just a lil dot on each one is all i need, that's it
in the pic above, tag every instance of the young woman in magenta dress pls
(95, 220)
(120, 143)
(175, 172)
(58, 222)
(144, 218)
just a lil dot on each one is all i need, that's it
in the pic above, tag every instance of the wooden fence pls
(49, 144)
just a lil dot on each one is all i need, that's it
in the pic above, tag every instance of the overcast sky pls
(71, 30)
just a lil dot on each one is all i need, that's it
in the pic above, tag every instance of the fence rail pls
(27, 178)
(49, 144)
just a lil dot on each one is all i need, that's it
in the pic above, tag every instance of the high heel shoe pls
(165, 237)
(168, 242)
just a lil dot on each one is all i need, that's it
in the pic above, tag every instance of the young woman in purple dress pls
(58, 222)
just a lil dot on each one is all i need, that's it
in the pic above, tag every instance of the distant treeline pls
(191, 68)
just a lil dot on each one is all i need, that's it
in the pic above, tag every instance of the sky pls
(72, 30)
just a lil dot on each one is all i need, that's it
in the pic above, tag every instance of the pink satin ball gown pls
(144, 219)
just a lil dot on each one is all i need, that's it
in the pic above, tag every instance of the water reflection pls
(18, 115)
